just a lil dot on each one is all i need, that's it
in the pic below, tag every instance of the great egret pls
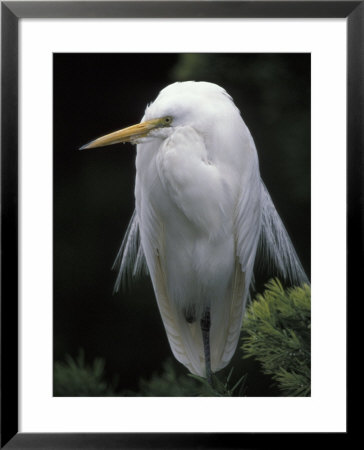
(201, 212)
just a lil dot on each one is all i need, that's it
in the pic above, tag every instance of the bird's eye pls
(167, 120)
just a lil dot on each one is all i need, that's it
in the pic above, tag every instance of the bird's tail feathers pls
(276, 252)
(130, 261)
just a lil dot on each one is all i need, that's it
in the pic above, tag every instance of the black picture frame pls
(11, 12)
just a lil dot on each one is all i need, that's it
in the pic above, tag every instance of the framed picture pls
(74, 71)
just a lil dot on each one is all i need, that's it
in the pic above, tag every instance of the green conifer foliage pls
(172, 384)
(277, 333)
(75, 378)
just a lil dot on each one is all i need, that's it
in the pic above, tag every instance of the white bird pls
(201, 213)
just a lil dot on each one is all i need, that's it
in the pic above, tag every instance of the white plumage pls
(201, 213)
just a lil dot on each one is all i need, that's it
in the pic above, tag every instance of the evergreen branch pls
(277, 333)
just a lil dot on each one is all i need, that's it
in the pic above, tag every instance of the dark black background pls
(95, 94)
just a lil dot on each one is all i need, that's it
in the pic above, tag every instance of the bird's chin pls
(143, 140)
(152, 136)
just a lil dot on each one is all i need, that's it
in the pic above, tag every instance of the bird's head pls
(190, 103)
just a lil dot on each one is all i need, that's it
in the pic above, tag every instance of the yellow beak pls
(128, 134)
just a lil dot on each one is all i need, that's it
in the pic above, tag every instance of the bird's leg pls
(205, 327)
